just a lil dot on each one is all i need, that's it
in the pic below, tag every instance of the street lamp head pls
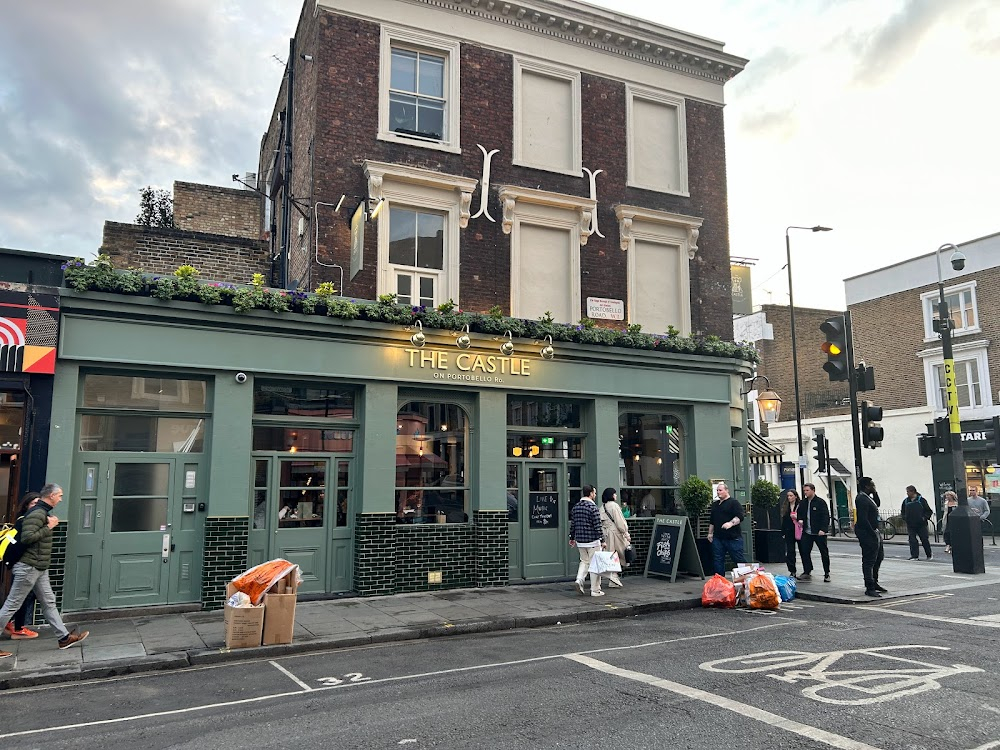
(818, 228)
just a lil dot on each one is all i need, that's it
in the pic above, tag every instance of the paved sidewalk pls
(143, 644)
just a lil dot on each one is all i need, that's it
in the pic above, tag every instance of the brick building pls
(402, 101)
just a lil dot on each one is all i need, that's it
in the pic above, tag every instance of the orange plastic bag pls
(256, 581)
(763, 593)
(718, 592)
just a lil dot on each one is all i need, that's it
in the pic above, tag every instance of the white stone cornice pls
(582, 208)
(629, 216)
(377, 172)
(602, 29)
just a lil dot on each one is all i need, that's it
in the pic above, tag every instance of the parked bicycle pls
(845, 526)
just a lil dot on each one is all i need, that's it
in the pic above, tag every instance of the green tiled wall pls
(226, 542)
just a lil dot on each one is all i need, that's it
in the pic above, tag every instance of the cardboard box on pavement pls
(279, 611)
(244, 625)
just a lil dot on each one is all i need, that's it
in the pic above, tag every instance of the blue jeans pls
(27, 579)
(719, 549)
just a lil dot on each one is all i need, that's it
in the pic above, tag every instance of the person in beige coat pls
(615, 530)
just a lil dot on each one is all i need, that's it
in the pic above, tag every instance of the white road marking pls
(293, 678)
(869, 684)
(986, 618)
(741, 709)
(935, 618)
(988, 746)
(261, 698)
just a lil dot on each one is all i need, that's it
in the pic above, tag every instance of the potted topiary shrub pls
(696, 496)
(768, 543)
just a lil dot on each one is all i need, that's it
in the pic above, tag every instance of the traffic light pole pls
(852, 382)
(829, 489)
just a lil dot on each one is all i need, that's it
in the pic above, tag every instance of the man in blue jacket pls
(32, 570)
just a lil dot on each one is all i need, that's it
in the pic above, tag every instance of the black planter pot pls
(769, 545)
(705, 553)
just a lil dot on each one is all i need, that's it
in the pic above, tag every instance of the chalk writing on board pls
(663, 549)
(544, 511)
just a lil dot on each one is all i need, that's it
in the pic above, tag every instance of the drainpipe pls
(286, 201)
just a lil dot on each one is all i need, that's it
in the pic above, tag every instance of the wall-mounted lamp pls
(373, 214)
(507, 347)
(768, 402)
(307, 58)
(464, 341)
(418, 339)
(548, 352)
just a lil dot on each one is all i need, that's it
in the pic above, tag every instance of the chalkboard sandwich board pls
(672, 549)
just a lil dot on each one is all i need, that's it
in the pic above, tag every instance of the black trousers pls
(872, 555)
(807, 548)
(791, 546)
(921, 532)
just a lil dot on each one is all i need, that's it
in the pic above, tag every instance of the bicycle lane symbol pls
(888, 678)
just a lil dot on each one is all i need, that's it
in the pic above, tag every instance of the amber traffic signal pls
(835, 348)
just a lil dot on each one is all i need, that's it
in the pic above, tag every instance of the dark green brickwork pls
(492, 550)
(425, 547)
(226, 542)
(375, 554)
(641, 531)
(57, 572)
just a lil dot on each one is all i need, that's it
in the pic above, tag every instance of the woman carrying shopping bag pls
(791, 528)
(615, 530)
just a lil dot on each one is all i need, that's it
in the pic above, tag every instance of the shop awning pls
(837, 469)
(761, 451)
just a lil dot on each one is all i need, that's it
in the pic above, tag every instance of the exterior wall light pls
(464, 341)
(548, 352)
(507, 347)
(377, 210)
(768, 402)
(419, 339)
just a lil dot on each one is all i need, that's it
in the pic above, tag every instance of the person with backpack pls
(31, 572)
(16, 628)
(916, 512)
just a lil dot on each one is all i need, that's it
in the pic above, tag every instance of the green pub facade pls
(195, 442)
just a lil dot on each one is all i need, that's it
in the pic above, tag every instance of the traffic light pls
(835, 348)
(871, 432)
(938, 441)
(820, 440)
(991, 434)
(864, 378)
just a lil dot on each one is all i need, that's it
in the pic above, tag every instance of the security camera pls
(958, 260)
(241, 377)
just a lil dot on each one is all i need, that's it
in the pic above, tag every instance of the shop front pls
(196, 441)
(982, 467)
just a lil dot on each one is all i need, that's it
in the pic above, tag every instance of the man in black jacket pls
(916, 512)
(724, 535)
(866, 530)
(816, 519)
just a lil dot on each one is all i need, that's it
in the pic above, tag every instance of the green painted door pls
(151, 530)
(538, 538)
(842, 508)
(302, 506)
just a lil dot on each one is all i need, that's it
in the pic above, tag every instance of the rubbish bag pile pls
(748, 586)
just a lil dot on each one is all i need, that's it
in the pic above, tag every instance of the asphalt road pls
(917, 673)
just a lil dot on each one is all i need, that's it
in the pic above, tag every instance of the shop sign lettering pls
(478, 368)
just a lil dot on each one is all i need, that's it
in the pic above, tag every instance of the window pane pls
(430, 461)
(139, 514)
(431, 75)
(522, 412)
(404, 70)
(150, 394)
(260, 474)
(430, 241)
(302, 400)
(512, 493)
(651, 450)
(404, 295)
(303, 474)
(301, 508)
(342, 497)
(260, 509)
(402, 113)
(430, 118)
(298, 439)
(11, 424)
(544, 446)
(141, 434)
(427, 291)
(402, 237)
(142, 479)
(647, 502)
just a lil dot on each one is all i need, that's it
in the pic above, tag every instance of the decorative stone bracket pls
(582, 208)
(378, 172)
(660, 224)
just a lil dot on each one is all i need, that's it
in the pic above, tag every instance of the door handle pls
(173, 546)
(165, 549)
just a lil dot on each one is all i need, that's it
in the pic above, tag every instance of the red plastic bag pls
(763, 593)
(256, 581)
(718, 592)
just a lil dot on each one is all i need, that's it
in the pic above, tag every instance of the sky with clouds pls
(875, 117)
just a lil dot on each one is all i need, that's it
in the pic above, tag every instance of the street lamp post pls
(965, 528)
(795, 358)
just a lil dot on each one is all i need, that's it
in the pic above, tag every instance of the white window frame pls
(522, 64)
(929, 301)
(419, 41)
(661, 227)
(659, 97)
(963, 352)
(420, 189)
(546, 209)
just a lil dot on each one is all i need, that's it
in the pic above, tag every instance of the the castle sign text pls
(477, 368)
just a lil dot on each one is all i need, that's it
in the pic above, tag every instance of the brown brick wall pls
(889, 333)
(217, 210)
(336, 112)
(162, 250)
(818, 393)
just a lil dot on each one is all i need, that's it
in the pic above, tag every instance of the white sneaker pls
(616, 581)
(597, 593)
(579, 587)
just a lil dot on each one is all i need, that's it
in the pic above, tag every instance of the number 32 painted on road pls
(348, 678)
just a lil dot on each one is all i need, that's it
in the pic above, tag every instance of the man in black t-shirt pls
(724, 529)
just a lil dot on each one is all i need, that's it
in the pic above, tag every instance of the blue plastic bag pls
(786, 587)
